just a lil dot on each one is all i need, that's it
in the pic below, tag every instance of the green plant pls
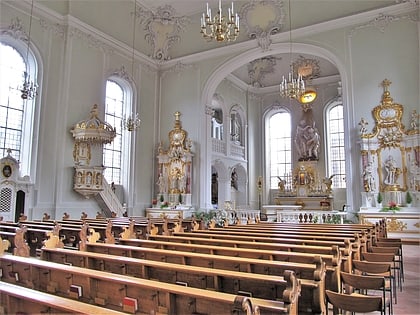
(180, 199)
(379, 198)
(162, 198)
(206, 216)
(408, 198)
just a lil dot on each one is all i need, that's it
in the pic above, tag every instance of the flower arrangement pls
(392, 206)
(164, 205)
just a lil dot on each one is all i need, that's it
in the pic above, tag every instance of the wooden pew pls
(16, 299)
(312, 276)
(106, 289)
(333, 260)
(362, 236)
(260, 286)
(354, 244)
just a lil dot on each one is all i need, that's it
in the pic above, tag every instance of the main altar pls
(303, 194)
(174, 175)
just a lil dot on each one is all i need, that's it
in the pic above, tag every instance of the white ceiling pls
(309, 12)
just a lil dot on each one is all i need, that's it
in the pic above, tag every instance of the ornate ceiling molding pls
(382, 21)
(162, 29)
(178, 68)
(122, 73)
(262, 19)
(257, 69)
(56, 28)
(89, 39)
(308, 68)
(15, 30)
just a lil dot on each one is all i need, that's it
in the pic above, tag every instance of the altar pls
(171, 213)
(390, 164)
(174, 175)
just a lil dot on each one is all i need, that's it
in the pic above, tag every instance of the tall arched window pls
(278, 145)
(16, 114)
(336, 163)
(115, 155)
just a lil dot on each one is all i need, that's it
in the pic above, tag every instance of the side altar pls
(174, 175)
(390, 164)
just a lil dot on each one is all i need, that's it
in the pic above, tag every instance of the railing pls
(237, 150)
(109, 200)
(218, 146)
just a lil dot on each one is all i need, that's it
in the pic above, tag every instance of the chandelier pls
(219, 27)
(293, 85)
(29, 89)
(132, 122)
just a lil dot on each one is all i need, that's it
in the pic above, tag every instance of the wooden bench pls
(311, 276)
(346, 252)
(16, 299)
(333, 260)
(355, 245)
(111, 291)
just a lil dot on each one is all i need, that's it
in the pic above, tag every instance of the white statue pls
(392, 171)
(307, 141)
(363, 123)
(162, 184)
(368, 178)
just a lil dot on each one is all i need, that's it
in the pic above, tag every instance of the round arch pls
(237, 61)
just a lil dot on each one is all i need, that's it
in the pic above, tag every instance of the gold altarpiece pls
(390, 164)
(174, 173)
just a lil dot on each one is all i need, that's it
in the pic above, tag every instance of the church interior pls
(128, 122)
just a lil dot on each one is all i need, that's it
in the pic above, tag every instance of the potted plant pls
(408, 199)
(379, 200)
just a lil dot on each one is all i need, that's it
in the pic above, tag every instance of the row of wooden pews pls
(189, 277)
(168, 297)
(68, 232)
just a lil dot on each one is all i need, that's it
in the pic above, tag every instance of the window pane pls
(113, 115)
(279, 147)
(12, 67)
(335, 144)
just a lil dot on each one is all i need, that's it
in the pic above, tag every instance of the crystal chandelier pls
(219, 27)
(29, 89)
(132, 122)
(293, 86)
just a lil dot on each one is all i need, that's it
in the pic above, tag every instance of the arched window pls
(116, 154)
(336, 163)
(278, 145)
(16, 114)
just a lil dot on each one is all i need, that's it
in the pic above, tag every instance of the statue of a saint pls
(307, 141)
(392, 171)
(368, 179)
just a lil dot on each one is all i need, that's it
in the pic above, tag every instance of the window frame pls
(338, 181)
(30, 120)
(267, 142)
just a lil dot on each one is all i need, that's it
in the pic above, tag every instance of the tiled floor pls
(409, 298)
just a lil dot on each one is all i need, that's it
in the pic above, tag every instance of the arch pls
(236, 61)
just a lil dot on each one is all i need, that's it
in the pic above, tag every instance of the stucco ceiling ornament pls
(162, 29)
(262, 19)
(15, 30)
(257, 69)
(307, 68)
